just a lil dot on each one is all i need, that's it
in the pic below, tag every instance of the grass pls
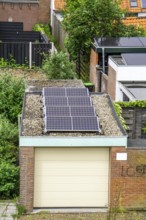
(86, 216)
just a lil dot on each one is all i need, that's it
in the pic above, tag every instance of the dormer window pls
(133, 3)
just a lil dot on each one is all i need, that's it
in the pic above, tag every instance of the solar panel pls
(55, 101)
(135, 59)
(69, 109)
(79, 101)
(58, 124)
(77, 92)
(53, 91)
(85, 124)
(82, 111)
(57, 111)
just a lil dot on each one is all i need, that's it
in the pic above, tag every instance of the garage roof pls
(119, 45)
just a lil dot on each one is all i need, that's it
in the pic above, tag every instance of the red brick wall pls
(128, 178)
(29, 14)
(93, 74)
(125, 4)
(26, 177)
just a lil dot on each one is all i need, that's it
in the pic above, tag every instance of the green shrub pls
(8, 152)
(9, 184)
(8, 131)
(58, 66)
(11, 96)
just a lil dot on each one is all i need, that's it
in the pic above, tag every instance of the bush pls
(8, 131)
(9, 185)
(58, 66)
(11, 95)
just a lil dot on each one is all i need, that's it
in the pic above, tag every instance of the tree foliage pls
(11, 96)
(58, 66)
(85, 19)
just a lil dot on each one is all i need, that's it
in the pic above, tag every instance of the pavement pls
(7, 211)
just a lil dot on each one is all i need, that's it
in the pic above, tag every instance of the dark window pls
(143, 2)
(133, 3)
(125, 98)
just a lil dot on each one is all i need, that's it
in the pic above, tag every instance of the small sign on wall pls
(121, 156)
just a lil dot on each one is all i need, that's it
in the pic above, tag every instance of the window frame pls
(135, 2)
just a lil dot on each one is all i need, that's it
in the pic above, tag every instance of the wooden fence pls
(136, 120)
(83, 66)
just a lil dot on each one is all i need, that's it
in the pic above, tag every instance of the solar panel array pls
(68, 109)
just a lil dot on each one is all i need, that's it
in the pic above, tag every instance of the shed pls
(66, 169)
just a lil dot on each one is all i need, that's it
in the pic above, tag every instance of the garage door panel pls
(71, 177)
(64, 187)
(73, 197)
(72, 172)
(71, 164)
(68, 154)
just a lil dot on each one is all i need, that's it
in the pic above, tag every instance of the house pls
(78, 162)
(29, 12)
(126, 74)
(135, 12)
(102, 48)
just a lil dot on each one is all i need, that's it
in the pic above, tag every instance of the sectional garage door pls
(71, 177)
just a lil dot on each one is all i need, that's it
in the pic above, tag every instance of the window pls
(143, 3)
(133, 3)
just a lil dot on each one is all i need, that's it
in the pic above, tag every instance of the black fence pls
(25, 53)
(11, 26)
(20, 36)
(22, 47)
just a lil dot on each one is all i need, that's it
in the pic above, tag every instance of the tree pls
(85, 19)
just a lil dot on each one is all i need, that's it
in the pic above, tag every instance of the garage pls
(71, 177)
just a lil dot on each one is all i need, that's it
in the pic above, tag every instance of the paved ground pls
(7, 211)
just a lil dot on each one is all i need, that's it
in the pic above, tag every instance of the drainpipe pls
(99, 77)
(103, 60)
(30, 55)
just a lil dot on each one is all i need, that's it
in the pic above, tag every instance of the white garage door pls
(71, 177)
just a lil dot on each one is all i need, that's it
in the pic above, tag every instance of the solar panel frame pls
(54, 91)
(85, 124)
(82, 111)
(79, 101)
(55, 101)
(77, 91)
(58, 124)
(57, 111)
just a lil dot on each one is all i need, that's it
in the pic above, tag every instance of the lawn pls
(86, 216)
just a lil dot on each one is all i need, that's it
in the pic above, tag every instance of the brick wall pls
(111, 82)
(26, 177)
(128, 178)
(94, 77)
(29, 14)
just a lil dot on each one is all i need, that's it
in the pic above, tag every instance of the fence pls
(25, 53)
(82, 66)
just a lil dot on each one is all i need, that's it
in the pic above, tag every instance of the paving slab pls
(7, 210)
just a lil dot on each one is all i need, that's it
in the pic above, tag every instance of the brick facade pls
(128, 178)
(26, 177)
(29, 14)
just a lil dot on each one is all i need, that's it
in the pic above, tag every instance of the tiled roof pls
(59, 4)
